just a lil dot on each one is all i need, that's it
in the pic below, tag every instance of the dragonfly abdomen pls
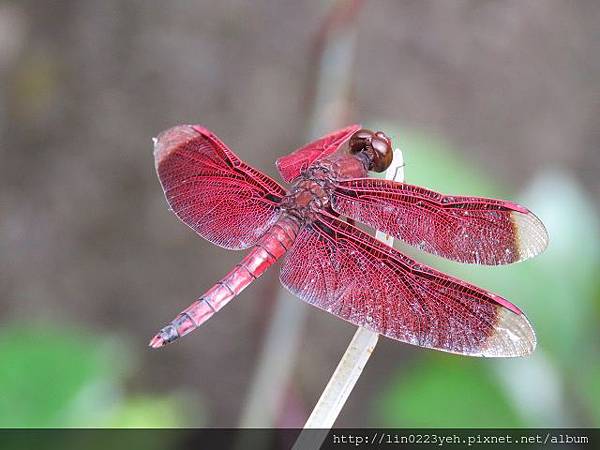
(269, 249)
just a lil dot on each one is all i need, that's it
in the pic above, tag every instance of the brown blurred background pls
(86, 239)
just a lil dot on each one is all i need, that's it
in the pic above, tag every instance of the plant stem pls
(353, 361)
(326, 109)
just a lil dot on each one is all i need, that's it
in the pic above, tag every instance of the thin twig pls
(352, 363)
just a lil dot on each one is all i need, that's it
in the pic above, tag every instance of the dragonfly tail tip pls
(157, 342)
(165, 336)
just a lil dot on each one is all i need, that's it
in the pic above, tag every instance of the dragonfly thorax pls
(308, 195)
(312, 190)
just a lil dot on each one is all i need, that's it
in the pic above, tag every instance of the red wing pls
(337, 267)
(211, 190)
(292, 165)
(465, 229)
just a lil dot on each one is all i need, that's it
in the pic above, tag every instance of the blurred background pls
(493, 98)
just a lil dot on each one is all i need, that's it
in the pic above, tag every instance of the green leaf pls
(151, 412)
(60, 377)
(589, 392)
(445, 391)
(44, 371)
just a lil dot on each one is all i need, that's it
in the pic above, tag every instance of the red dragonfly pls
(334, 265)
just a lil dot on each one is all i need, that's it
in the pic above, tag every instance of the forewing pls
(290, 166)
(211, 190)
(466, 229)
(336, 267)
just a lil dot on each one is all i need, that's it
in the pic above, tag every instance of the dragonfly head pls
(377, 146)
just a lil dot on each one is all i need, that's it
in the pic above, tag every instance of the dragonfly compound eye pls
(377, 146)
(382, 152)
(361, 140)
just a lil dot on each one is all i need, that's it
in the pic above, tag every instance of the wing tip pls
(513, 336)
(169, 139)
(531, 234)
